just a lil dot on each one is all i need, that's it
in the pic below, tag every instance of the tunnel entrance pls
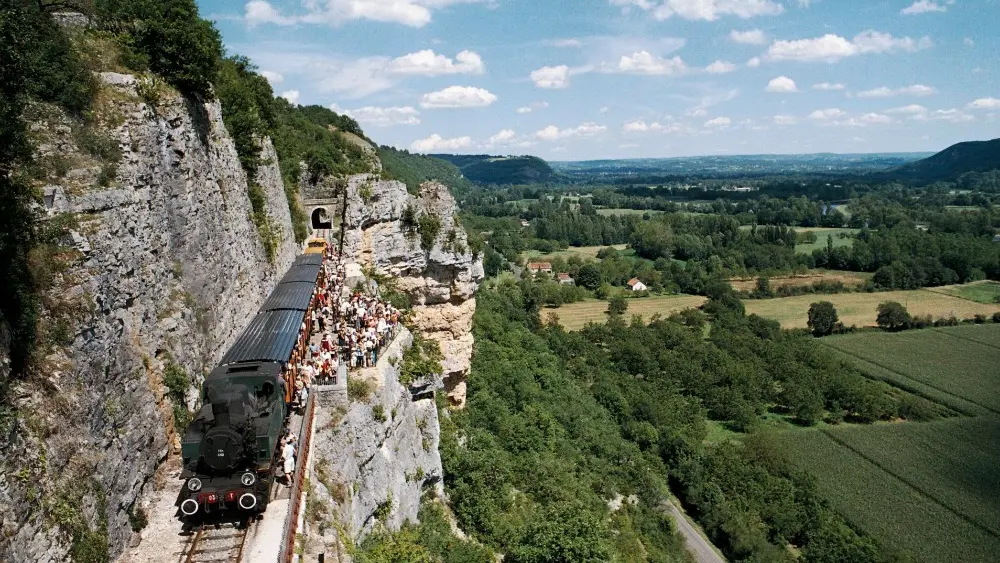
(320, 220)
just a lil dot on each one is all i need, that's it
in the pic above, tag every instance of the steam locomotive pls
(230, 449)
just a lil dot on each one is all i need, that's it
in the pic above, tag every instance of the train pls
(230, 450)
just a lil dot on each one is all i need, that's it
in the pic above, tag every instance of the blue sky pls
(587, 79)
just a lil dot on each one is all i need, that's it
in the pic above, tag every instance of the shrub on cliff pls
(167, 37)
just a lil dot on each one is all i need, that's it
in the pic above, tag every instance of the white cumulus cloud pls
(828, 86)
(985, 103)
(643, 62)
(553, 133)
(414, 13)
(751, 37)
(720, 67)
(831, 48)
(950, 115)
(923, 7)
(259, 12)
(429, 63)
(382, 116)
(785, 120)
(781, 85)
(272, 77)
(564, 43)
(718, 123)
(827, 114)
(553, 77)
(754, 62)
(458, 97)
(533, 106)
(886, 92)
(708, 10)
(912, 109)
(292, 96)
(436, 143)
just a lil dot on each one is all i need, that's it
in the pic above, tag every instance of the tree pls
(893, 316)
(589, 276)
(617, 305)
(822, 318)
(764, 287)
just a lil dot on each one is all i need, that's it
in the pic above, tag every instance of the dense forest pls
(415, 169)
(560, 424)
(502, 170)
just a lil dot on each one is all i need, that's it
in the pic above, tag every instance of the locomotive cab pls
(229, 448)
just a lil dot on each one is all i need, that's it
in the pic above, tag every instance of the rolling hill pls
(952, 162)
(414, 169)
(486, 169)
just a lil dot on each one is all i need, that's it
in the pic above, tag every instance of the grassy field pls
(958, 362)
(859, 308)
(821, 234)
(584, 252)
(930, 490)
(980, 292)
(850, 279)
(576, 315)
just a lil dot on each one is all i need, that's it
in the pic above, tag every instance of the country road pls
(702, 550)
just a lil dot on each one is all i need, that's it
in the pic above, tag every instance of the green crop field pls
(980, 292)
(930, 490)
(946, 359)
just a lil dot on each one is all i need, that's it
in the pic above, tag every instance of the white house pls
(637, 285)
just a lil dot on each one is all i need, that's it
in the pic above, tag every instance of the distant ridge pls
(952, 162)
(488, 169)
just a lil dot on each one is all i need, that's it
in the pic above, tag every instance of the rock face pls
(385, 226)
(168, 268)
(373, 458)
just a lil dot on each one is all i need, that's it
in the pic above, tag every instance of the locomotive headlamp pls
(194, 484)
(248, 479)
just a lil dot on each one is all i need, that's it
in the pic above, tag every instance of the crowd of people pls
(345, 329)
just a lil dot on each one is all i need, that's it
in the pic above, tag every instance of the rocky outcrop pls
(167, 269)
(386, 229)
(373, 457)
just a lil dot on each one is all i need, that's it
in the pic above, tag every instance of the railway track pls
(216, 543)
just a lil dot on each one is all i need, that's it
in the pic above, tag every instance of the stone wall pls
(169, 268)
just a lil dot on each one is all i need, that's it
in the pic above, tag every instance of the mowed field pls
(584, 252)
(621, 211)
(850, 279)
(860, 308)
(980, 292)
(928, 489)
(576, 315)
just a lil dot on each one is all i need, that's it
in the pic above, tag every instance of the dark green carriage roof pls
(271, 336)
(308, 259)
(290, 296)
(301, 273)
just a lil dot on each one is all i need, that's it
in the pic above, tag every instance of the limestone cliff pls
(167, 269)
(373, 457)
(388, 228)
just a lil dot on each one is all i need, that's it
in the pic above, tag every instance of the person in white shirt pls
(288, 457)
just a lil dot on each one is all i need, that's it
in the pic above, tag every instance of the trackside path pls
(702, 550)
